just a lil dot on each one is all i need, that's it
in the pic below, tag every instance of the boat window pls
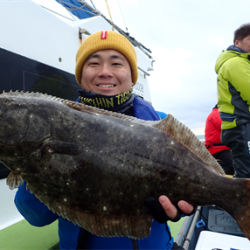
(30, 75)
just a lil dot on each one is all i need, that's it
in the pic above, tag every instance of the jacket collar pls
(235, 48)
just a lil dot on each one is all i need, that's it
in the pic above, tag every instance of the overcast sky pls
(186, 38)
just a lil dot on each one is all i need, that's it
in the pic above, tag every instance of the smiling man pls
(233, 85)
(107, 73)
(106, 70)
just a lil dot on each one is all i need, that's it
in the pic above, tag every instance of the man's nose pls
(105, 71)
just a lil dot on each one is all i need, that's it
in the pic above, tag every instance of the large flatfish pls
(97, 168)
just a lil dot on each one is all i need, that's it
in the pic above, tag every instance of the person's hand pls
(171, 210)
(163, 209)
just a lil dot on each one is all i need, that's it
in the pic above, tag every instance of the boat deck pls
(23, 236)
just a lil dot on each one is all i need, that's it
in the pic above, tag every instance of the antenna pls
(122, 15)
(93, 4)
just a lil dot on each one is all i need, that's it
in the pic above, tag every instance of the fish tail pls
(240, 209)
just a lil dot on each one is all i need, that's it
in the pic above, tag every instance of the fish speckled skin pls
(97, 168)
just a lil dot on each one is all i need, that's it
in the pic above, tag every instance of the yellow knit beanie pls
(106, 40)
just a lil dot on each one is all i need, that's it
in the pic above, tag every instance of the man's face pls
(244, 44)
(106, 72)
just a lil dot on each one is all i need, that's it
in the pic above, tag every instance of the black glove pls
(159, 213)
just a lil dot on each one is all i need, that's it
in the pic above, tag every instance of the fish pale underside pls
(96, 168)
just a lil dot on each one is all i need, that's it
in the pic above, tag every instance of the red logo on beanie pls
(104, 35)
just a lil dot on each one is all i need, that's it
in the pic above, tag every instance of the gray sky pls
(186, 38)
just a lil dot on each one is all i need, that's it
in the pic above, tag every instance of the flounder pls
(97, 168)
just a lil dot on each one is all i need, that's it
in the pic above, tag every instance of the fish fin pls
(71, 104)
(135, 227)
(243, 221)
(97, 111)
(14, 180)
(183, 134)
(30, 188)
(237, 203)
(60, 147)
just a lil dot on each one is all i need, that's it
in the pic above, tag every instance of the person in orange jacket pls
(213, 141)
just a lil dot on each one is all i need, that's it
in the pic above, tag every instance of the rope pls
(110, 15)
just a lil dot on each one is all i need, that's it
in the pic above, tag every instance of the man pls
(106, 70)
(213, 141)
(233, 85)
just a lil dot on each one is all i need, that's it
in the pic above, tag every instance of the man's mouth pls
(106, 85)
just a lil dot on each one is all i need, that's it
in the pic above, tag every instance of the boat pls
(211, 228)
(37, 53)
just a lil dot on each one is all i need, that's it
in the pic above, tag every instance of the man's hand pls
(163, 209)
(171, 210)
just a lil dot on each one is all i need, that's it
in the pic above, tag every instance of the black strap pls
(135, 244)
(218, 144)
(83, 241)
(214, 144)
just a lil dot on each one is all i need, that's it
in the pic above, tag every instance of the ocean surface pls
(201, 137)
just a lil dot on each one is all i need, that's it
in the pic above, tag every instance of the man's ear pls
(132, 78)
(236, 43)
